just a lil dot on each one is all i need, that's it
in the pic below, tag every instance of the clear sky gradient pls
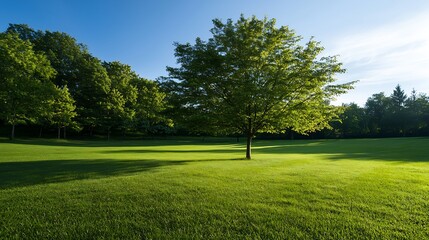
(382, 43)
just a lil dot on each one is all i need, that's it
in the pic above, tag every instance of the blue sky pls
(382, 43)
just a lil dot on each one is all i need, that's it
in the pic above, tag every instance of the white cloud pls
(384, 56)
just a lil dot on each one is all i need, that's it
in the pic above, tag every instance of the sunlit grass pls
(340, 189)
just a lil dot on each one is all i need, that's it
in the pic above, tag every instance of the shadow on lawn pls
(18, 174)
(394, 149)
(119, 143)
(143, 151)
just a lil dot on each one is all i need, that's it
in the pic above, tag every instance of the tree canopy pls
(24, 74)
(49, 79)
(251, 77)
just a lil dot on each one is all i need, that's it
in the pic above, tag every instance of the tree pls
(150, 106)
(417, 114)
(92, 92)
(253, 77)
(133, 101)
(376, 110)
(66, 55)
(122, 96)
(353, 122)
(24, 32)
(23, 74)
(397, 114)
(62, 110)
(398, 98)
(83, 74)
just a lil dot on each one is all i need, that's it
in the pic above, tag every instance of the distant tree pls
(62, 111)
(353, 121)
(150, 106)
(47, 95)
(398, 98)
(114, 111)
(376, 110)
(253, 77)
(22, 76)
(92, 93)
(397, 115)
(417, 114)
(122, 96)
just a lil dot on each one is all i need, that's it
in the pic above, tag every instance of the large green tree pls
(251, 77)
(122, 97)
(83, 74)
(24, 77)
(91, 92)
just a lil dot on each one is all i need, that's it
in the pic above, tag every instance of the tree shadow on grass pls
(18, 174)
(118, 143)
(77, 143)
(394, 149)
(143, 151)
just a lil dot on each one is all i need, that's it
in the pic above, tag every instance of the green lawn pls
(188, 189)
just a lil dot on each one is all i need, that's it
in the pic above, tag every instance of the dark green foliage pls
(417, 114)
(375, 108)
(24, 32)
(386, 116)
(353, 122)
(149, 108)
(398, 98)
(92, 92)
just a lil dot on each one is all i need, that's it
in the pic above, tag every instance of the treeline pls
(51, 83)
(49, 80)
(395, 115)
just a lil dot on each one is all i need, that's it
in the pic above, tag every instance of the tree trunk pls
(108, 133)
(249, 147)
(249, 139)
(65, 135)
(90, 131)
(40, 131)
(12, 134)
(59, 132)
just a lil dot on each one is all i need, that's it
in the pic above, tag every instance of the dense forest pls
(49, 80)
(394, 115)
(51, 85)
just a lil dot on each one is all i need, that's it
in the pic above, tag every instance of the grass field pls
(188, 189)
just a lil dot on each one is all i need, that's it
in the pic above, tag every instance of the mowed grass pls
(180, 189)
